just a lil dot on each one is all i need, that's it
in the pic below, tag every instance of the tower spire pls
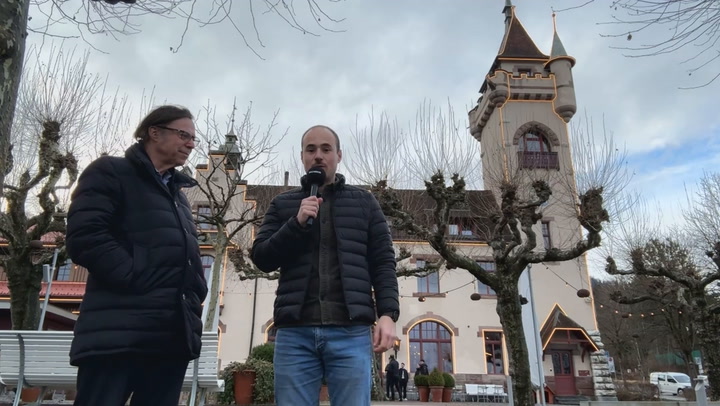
(558, 49)
(231, 130)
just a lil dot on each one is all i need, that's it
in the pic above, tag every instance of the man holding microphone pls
(337, 279)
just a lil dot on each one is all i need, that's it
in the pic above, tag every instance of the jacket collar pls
(137, 154)
(337, 185)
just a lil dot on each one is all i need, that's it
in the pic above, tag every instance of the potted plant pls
(449, 386)
(239, 380)
(437, 384)
(421, 383)
(248, 382)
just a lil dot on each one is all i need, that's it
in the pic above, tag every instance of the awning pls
(559, 328)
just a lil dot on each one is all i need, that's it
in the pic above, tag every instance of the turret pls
(560, 65)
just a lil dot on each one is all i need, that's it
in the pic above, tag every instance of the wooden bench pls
(42, 359)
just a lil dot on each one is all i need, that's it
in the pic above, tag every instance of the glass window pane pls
(63, 273)
(566, 363)
(415, 356)
(431, 353)
(556, 362)
(446, 352)
(415, 333)
(434, 283)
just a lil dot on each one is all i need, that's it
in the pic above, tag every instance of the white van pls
(671, 382)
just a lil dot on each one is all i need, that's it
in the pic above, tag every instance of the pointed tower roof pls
(558, 49)
(517, 42)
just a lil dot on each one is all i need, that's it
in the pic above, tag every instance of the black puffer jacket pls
(138, 241)
(365, 253)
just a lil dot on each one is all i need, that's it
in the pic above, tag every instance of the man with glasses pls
(132, 228)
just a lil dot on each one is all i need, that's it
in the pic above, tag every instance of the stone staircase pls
(571, 400)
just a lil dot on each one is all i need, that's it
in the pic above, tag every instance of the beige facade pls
(521, 124)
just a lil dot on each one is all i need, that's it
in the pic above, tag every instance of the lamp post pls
(396, 346)
(49, 274)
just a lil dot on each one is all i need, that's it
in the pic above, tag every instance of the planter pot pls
(29, 394)
(324, 395)
(244, 382)
(436, 393)
(447, 395)
(423, 393)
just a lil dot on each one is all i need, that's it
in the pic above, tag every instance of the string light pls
(427, 294)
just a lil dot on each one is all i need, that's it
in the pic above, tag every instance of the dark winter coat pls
(138, 241)
(365, 254)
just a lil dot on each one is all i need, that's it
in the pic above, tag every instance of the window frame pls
(546, 234)
(426, 280)
(488, 291)
(202, 223)
(438, 340)
(496, 344)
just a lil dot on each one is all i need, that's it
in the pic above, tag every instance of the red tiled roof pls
(59, 289)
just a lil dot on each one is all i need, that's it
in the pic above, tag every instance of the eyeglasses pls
(184, 135)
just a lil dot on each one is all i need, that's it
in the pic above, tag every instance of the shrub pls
(449, 380)
(436, 378)
(264, 390)
(264, 352)
(636, 391)
(420, 380)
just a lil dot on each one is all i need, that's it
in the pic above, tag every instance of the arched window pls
(432, 342)
(534, 152)
(207, 264)
(533, 141)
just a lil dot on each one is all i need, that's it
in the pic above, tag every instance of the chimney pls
(287, 178)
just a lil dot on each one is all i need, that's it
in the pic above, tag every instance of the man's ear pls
(339, 155)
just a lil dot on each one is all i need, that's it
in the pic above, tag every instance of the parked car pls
(671, 382)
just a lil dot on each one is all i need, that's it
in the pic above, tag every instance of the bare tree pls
(669, 261)
(57, 107)
(435, 141)
(233, 156)
(116, 18)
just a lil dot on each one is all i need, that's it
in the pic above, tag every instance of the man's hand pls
(384, 335)
(308, 208)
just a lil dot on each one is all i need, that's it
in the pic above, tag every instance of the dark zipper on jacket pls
(175, 206)
(339, 253)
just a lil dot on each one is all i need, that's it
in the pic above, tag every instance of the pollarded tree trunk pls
(709, 341)
(24, 281)
(510, 311)
(13, 31)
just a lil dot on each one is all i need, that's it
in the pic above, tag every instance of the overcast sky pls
(393, 55)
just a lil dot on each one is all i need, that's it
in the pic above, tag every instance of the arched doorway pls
(431, 341)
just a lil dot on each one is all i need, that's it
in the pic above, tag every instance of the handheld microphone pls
(316, 178)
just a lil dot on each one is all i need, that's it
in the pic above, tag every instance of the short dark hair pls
(337, 139)
(160, 116)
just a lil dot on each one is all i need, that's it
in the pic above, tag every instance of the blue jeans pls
(303, 355)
